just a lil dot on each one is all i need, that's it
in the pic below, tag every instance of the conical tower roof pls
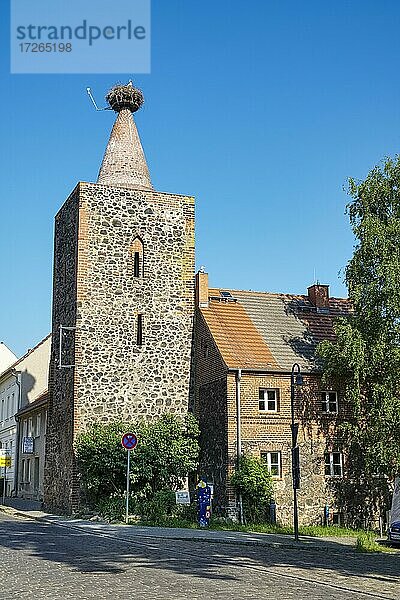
(124, 162)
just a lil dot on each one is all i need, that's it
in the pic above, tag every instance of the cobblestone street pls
(44, 560)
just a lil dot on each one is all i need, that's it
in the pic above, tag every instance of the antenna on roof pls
(89, 93)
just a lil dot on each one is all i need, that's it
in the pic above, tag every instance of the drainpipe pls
(239, 437)
(17, 435)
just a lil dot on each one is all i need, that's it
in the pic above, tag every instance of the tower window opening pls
(136, 258)
(139, 330)
(136, 263)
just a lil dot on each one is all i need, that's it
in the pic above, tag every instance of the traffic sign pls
(129, 441)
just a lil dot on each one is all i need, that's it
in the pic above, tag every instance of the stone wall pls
(59, 461)
(116, 376)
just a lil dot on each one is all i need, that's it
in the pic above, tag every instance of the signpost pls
(5, 461)
(129, 441)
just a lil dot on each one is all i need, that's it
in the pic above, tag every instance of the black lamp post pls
(296, 378)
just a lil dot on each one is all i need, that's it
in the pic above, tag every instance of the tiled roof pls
(238, 340)
(270, 331)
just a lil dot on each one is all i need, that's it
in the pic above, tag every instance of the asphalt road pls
(44, 561)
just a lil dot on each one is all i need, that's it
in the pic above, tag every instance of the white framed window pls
(329, 401)
(274, 463)
(38, 424)
(268, 400)
(334, 464)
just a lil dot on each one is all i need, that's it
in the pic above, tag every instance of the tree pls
(366, 355)
(253, 481)
(166, 452)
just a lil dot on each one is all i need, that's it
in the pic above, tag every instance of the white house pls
(7, 358)
(21, 383)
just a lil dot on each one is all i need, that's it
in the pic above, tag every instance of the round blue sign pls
(129, 441)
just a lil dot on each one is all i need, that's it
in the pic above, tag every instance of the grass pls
(365, 540)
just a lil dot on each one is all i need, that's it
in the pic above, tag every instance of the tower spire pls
(124, 162)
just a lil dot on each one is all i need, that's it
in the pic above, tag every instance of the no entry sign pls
(129, 441)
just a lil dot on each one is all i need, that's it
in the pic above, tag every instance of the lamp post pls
(296, 379)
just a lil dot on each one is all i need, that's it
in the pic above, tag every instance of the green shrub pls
(162, 504)
(253, 482)
(112, 508)
(167, 451)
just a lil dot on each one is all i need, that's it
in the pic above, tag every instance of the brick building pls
(246, 344)
(123, 306)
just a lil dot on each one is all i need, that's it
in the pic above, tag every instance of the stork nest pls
(125, 96)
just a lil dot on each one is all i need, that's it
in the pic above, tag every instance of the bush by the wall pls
(254, 483)
(167, 451)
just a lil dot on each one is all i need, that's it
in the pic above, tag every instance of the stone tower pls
(123, 301)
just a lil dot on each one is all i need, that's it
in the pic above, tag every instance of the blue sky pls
(261, 110)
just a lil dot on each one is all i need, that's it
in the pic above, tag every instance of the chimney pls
(318, 295)
(202, 288)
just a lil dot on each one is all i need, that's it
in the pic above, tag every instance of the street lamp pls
(296, 378)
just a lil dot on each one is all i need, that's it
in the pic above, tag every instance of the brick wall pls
(271, 432)
(210, 408)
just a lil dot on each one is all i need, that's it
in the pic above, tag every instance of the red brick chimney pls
(202, 288)
(318, 295)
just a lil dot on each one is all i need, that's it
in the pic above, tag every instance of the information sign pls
(27, 445)
(182, 497)
(5, 458)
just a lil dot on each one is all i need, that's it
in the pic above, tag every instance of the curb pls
(349, 549)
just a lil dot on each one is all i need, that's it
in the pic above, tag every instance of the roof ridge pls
(266, 293)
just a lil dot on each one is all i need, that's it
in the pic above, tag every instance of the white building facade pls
(7, 357)
(20, 385)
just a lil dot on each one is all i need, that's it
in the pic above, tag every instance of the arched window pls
(136, 258)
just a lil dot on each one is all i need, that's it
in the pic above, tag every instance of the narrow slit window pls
(139, 330)
(136, 264)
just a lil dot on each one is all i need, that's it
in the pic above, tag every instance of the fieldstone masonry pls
(97, 292)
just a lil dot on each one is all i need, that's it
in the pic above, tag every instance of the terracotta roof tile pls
(239, 342)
